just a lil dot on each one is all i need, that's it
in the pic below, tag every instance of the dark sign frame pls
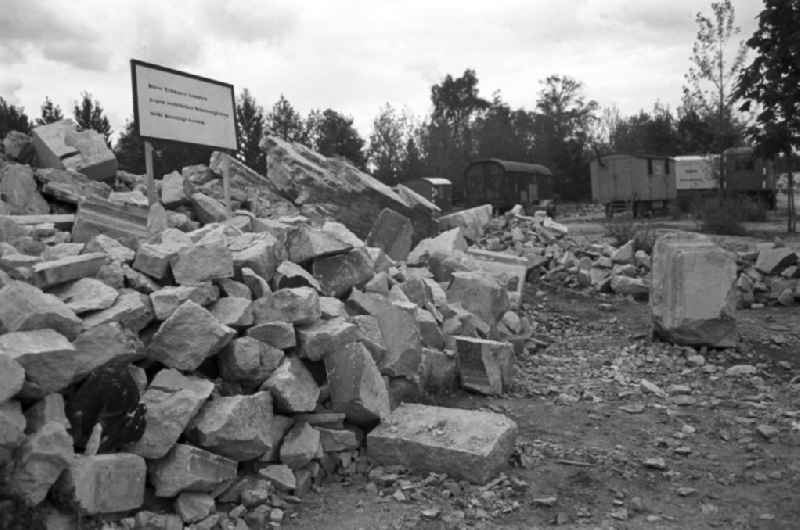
(135, 62)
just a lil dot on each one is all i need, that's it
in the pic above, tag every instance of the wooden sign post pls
(174, 106)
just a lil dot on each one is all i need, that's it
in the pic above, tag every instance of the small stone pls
(87, 294)
(248, 360)
(738, 370)
(656, 463)
(280, 475)
(300, 446)
(767, 431)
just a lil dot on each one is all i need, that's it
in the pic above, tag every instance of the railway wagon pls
(505, 183)
(747, 174)
(437, 190)
(640, 183)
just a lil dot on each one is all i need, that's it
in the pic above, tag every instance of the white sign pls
(173, 105)
(694, 173)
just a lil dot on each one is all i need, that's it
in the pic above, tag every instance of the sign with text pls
(173, 105)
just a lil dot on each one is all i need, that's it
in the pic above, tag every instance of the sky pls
(352, 55)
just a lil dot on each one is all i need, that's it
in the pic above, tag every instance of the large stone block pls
(18, 191)
(293, 387)
(172, 400)
(466, 444)
(484, 366)
(188, 337)
(338, 274)
(209, 259)
(61, 145)
(259, 252)
(168, 299)
(188, 468)
(248, 360)
(305, 243)
(237, 427)
(400, 332)
(479, 294)
(39, 462)
(393, 233)
(125, 223)
(106, 483)
(47, 357)
(356, 385)
(298, 305)
(693, 296)
(323, 337)
(12, 377)
(87, 294)
(24, 307)
(473, 221)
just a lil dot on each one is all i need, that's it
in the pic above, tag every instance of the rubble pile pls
(227, 362)
(768, 276)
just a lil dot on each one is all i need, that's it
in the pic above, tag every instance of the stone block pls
(439, 370)
(172, 192)
(12, 377)
(356, 385)
(47, 357)
(49, 408)
(479, 294)
(188, 468)
(234, 289)
(445, 243)
(23, 307)
(193, 507)
(39, 462)
(293, 387)
(257, 284)
(298, 305)
(210, 259)
(12, 429)
(465, 444)
(280, 476)
(323, 337)
(19, 192)
(291, 274)
(86, 294)
(208, 209)
(331, 307)
(369, 334)
(107, 483)
(278, 334)
(340, 273)
(393, 233)
(300, 446)
(473, 221)
(132, 309)
(398, 325)
(484, 366)
(167, 299)
(260, 252)
(127, 224)
(234, 312)
(248, 360)
(775, 260)
(102, 344)
(305, 243)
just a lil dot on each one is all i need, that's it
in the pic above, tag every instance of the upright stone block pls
(293, 387)
(484, 366)
(393, 233)
(106, 483)
(356, 385)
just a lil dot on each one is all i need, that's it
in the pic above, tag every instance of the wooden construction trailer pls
(504, 183)
(747, 174)
(437, 190)
(640, 183)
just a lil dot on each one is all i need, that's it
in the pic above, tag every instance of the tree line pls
(725, 102)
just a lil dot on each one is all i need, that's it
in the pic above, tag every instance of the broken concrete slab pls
(293, 387)
(172, 400)
(188, 468)
(278, 334)
(393, 233)
(24, 307)
(127, 224)
(12, 377)
(323, 337)
(188, 337)
(300, 446)
(248, 360)
(465, 444)
(298, 305)
(132, 309)
(237, 427)
(356, 385)
(479, 294)
(167, 299)
(473, 221)
(19, 192)
(484, 366)
(106, 483)
(39, 462)
(86, 294)
(338, 274)
(693, 296)
(47, 357)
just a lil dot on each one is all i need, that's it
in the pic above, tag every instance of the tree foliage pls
(89, 114)
(250, 131)
(771, 85)
(285, 122)
(387, 145)
(332, 133)
(50, 112)
(167, 156)
(12, 118)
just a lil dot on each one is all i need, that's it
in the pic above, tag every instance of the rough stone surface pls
(39, 462)
(627, 285)
(233, 312)
(484, 366)
(278, 428)
(50, 408)
(466, 444)
(278, 334)
(356, 385)
(132, 309)
(775, 260)
(193, 507)
(248, 360)
(172, 400)
(393, 233)
(445, 243)
(331, 307)
(172, 192)
(105, 483)
(257, 284)
(12, 429)
(189, 336)
(208, 209)
(429, 329)
(300, 446)
(478, 294)
(298, 305)
(24, 307)
(234, 289)
(292, 387)
(335, 440)
(291, 274)
(398, 325)
(259, 252)
(439, 370)
(47, 357)
(154, 258)
(323, 337)
(87, 294)
(167, 299)
(338, 274)
(106, 343)
(18, 191)
(60, 145)
(188, 468)
(237, 427)
(693, 297)
(369, 334)
(207, 260)
(279, 475)
(473, 221)
(12, 377)
(306, 243)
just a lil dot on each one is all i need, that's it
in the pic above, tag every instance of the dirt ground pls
(727, 447)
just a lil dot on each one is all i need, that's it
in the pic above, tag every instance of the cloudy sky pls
(352, 55)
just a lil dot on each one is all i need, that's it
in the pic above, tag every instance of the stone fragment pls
(167, 299)
(236, 427)
(479, 294)
(323, 337)
(235, 289)
(24, 307)
(298, 305)
(154, 257)
(145, 520)
(18, 191)
(445, 243)
(234, 312)
(86, 294)
(342, 233)
(61, 145)
(398, 325)
(306, 243)
(16, 145)
(172, 400)
(473, 221)
(12, 430)
(484, 366)
(356, 385)
(172, 191)
(623, 254)
(210, 259)
(378, 284)
(258, 285)
(369, 334)
(12, 377)
(103, 344)
(188, 337)
(62, 250)
(627, 285)
(693, 297)
(132, 309)
(193, 507)
(429, 329)
(259, 252)
(393, 233)
(335, 440)
(188, 468)
(39, 462)
(278, 334)
(331, 307)
(300, 446)
(292, 387)
(248, 360)
(465, 444)
(50, 408)
(127, 224)
(280, 476)
(208, 209)
(775, 260)
(290, 274)
(46, 356)
(340, 273)
(106, 483)
(278, 428)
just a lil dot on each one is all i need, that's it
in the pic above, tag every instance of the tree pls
(387, 143)
(713, 73)
(333, 134)
(50, 113)
(412, 166)
(772, 82)
(90, 115)
(285, 122)
(501, 132)
(167, 156)
(12, 118)
(647, 132)
(250, 131)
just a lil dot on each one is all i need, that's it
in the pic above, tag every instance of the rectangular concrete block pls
(466, 444)
(105, 483)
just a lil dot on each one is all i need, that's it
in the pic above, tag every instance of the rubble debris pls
(127, 224)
